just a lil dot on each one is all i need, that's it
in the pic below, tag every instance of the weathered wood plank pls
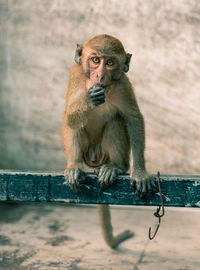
(177, 190)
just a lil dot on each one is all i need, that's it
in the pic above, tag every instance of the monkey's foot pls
(74, 177)
(143, 182)
(107, 176)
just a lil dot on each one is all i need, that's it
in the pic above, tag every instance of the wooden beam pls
(177, 190)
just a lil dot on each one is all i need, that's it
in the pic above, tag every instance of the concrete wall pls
(37, 45)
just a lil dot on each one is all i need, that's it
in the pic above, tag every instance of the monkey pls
(103, 128)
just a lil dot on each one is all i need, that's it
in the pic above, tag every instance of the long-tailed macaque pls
(103, 125)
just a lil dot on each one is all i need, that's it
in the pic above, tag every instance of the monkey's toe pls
(73, 177)
(107, 176)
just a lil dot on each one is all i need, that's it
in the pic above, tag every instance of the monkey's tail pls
(107, 230)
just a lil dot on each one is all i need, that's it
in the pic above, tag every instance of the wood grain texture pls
(182, 191)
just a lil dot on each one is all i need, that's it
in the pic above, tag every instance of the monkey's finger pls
(95, 89)
(96, 171)
(143, 189)
(106, 178)
(72, 176)
(82, 177)
(113, 177)
(102, 172)
(76, 180)
(99, 95)
(95, 92)
(75, 185)
(133, 182)
(76, 173)
(138, 191)
(99, 98)
(144, 186)
(66, 178)
(119, 172)
(67, 175)
(98, 103)
(138, 188)
(153, 186)
(110, 176)
(71, 183)
(149, 186)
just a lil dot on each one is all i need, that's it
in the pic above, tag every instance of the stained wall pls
(37, 44)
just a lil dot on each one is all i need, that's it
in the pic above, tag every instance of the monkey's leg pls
(116, 143)
(74, 142)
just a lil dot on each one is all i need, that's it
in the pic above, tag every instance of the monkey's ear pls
(128, 59)
(78, 53)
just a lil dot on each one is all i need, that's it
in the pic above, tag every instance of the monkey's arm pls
(80, 100)
(78, 103)
(136, 130)
(144, 182)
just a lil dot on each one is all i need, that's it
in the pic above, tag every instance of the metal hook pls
(156, 230)
(157, 213)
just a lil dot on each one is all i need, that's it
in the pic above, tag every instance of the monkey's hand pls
(143, 182)
(107, 176)
(73, 177)
(97, 95)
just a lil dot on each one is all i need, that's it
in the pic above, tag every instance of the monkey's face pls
(101, 69)
(103, 60)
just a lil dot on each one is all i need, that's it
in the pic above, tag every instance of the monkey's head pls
(103, 59)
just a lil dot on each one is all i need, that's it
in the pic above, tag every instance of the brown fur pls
(103, 136)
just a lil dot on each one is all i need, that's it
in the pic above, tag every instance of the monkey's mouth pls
(102, 85)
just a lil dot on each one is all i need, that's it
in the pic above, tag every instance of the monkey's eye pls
(110, 62)
(96, 60)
